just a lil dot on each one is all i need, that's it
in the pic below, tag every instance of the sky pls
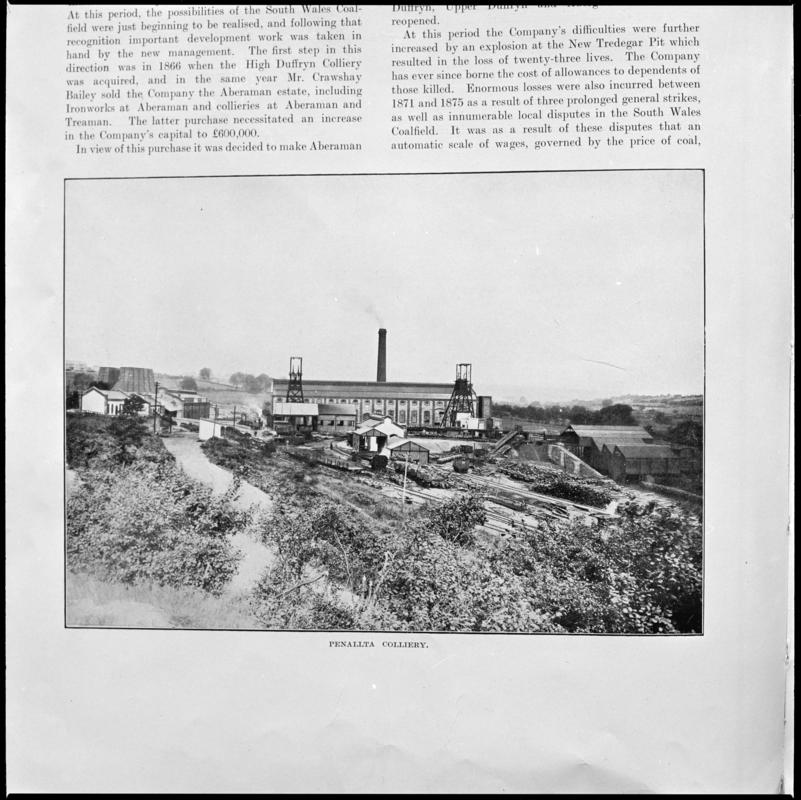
(553, 285)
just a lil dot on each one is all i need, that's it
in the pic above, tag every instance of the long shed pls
(635, 461)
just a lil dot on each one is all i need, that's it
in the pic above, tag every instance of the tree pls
(189, 384)
(456, 520)
(687, 432)
(251, 384)
(616, 414)
(237, 379)
(579, 415)
(132, 405)
(128, 430)
(205, 374)
(81, 381)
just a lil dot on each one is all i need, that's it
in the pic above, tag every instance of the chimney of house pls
(381, 375)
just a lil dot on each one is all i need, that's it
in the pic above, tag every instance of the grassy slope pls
(91, 602)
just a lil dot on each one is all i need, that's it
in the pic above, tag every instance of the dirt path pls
(193, 461)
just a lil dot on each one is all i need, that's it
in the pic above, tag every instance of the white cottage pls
(102, 401)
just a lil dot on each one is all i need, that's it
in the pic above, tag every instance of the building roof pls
(135, 379)
(606, 430)
(398, 442)
(109, 394)
(368, 424)
(345, 409)
(295, 409)
(393, 389)
(385, 428)
(646, 451)
(609, 435)
(623, 438)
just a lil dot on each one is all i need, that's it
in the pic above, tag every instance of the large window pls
(426, 417)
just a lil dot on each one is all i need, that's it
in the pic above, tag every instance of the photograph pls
(418, 403)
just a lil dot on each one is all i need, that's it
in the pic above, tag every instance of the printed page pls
(397, 430)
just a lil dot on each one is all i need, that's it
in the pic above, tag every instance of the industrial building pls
(294, 416)
(108, 375)
(374, 433)
(135, 379)
(407, 450)
(624, 452)
(635, 461)
(185, 403)
(406, 402)
(336, 418)
(587, 441)
(333, 419)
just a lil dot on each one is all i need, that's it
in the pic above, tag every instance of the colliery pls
(409, 403)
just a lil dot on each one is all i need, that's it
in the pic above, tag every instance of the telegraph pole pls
(155, 406)
(403, 496)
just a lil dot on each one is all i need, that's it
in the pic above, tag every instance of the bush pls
(640, 573)
(281, 601)
(97, 441)
(149, 522)
(433, 584)
(456, 520)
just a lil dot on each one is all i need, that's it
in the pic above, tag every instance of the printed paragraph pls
(514, 85)
(212, 79)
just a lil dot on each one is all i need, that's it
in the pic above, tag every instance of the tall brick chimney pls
(381, 375)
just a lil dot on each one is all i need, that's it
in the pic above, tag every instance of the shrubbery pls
(107, 442)
(237, 453)
(640, 573)
(152, 523)
(135, 517)
(340, 566)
